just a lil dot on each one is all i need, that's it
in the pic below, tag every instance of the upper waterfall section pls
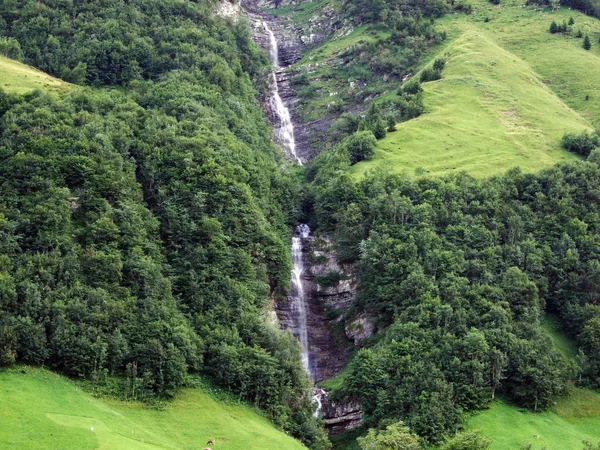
(284, 49)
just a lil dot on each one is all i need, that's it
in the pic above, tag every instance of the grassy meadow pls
(510, 90)
(573, 419)
(18, 78)
(42, 410)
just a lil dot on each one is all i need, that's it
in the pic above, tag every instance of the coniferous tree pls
(586, 43)
(553, 27)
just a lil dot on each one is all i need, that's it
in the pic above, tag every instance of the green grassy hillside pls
(489, 113)
(16, 77)
(42, 410)
(510, 91)
(572, 420)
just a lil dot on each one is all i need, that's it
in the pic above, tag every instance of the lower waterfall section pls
(299, 306)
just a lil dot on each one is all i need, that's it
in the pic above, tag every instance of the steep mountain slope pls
(496, 106)
(488, 113)
(42, 410)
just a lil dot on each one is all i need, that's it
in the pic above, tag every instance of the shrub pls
(430, 74)
(439, 64)
(360, 146)
(582, 144)
(579, 34)
(10, 48)
(554, 27)
(586, 43)
(412, 87)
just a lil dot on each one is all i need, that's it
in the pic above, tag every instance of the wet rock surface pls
(341, 415)
(329, 347)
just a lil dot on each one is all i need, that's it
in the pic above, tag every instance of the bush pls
(586, 43)
(430, 74)
(413, 86)
(554, 27)
(395, 437)
(360, 146)
(582, 144)
(439, 64)
(10, 48)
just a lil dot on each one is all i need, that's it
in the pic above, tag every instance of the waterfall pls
(299, 307)
(298, 295)
(285, 131)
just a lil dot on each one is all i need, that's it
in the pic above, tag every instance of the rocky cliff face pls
(329, 347)
(341, 415)
(331, 288)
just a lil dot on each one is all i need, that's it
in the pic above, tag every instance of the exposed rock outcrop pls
(341, 415)
(328, 345)
(227, 8)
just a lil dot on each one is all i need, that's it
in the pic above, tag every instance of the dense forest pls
(145, 226)
(457, 271)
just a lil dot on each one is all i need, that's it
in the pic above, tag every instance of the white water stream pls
(285, 131)
(298, 295)
(299, 307)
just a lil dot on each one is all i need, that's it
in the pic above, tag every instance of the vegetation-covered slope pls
(488, 113)
(41, 410)
(18, 78)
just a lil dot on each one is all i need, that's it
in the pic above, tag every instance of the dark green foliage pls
(554, 27)
(582, 143)
(118, 41)
(377, 11)
(579, 34)
(457, 272)
(10, 48)
(439, 64)
(360, 145)
(395, 437)
(571, 20)
(586, 43)
(391, 124)
(495, 2)
(430, 74)
(412, 87)
(434, 72)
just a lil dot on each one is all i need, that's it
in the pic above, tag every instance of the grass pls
(573, 419)
(570, 71)
(18, 78)
(42, 410)
(551, 325)
(510, 90)
(490, 112)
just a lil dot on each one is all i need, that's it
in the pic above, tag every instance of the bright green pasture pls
(510, 91)
(489, 113)
(573, 420)
(42, 410)
(16, 77)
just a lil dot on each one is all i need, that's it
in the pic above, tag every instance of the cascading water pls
(298, 297)
(299, 306)
(285, 131)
